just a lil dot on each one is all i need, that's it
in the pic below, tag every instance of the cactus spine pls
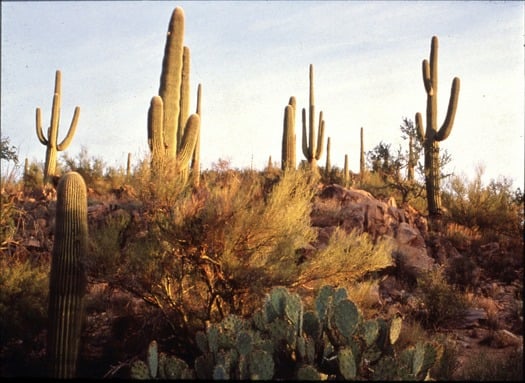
(288, 157)
(51, 142)
(432, 136)
(176, 133)
(312, 136)
(67, 279)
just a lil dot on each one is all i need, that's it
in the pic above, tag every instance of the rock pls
(354, 209)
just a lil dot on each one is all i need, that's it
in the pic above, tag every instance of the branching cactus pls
(51, 141)
(288, 158)
(67, 280)
(312, 136)
(178, 132)
(432, 136)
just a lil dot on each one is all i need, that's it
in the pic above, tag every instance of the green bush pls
(23, 299)
(493, 208)
(442, 302)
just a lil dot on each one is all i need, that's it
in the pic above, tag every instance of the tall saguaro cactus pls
(432, 136)
(175, 131)
(328, 167)
(51, 142)
(67, 280)
(362, 168)
(288, 154)
(312, 137)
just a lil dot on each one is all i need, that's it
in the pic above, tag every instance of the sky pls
(251, 56)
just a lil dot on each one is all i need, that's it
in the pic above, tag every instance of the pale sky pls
(250, 57)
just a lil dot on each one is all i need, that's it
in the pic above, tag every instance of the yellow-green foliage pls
(493, 208)
(23, 299)
(441, 302)
(346, 258)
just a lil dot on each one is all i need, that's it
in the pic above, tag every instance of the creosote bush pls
(442, 302)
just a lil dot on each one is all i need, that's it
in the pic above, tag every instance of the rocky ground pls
(112, 336)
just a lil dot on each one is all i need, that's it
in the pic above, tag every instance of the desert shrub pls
(23, 299)
(9, 218)
(486, 367)
(33, 175)
(97, 175)
(463, 272)
(442, 302)
(346, 258)
(105, 242)
(493, 208)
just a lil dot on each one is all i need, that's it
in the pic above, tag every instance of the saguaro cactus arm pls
(446, 128)
(155, 133)
(191, 134)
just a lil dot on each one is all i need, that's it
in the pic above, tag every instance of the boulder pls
(354, 209)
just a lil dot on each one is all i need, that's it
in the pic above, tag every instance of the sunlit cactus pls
(431, 136)
(328, 167)
(67, 281)
(179, 129)
(51, 141)
(288, 155)
(362, 165)
(313, 135)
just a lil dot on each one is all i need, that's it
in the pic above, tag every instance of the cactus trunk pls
(431, 136)
(288, 160)
(67, 280)
(51, 142)
(328, 167)
(173, 135)
(312, 137)
(362, 169)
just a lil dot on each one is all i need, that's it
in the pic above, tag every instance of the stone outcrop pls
(354, 209)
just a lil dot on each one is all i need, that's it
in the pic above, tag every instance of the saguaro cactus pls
(328, 167)
(177, 132)
(362, 168)
(411, 159)
(432, 136)
(312, 137)
(51, 142)
(288, 156)
(67, 280)
(346, 171)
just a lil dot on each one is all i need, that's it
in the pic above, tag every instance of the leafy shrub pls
(441, 302)
(494, 208)
(486, 367)
(23, 299)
